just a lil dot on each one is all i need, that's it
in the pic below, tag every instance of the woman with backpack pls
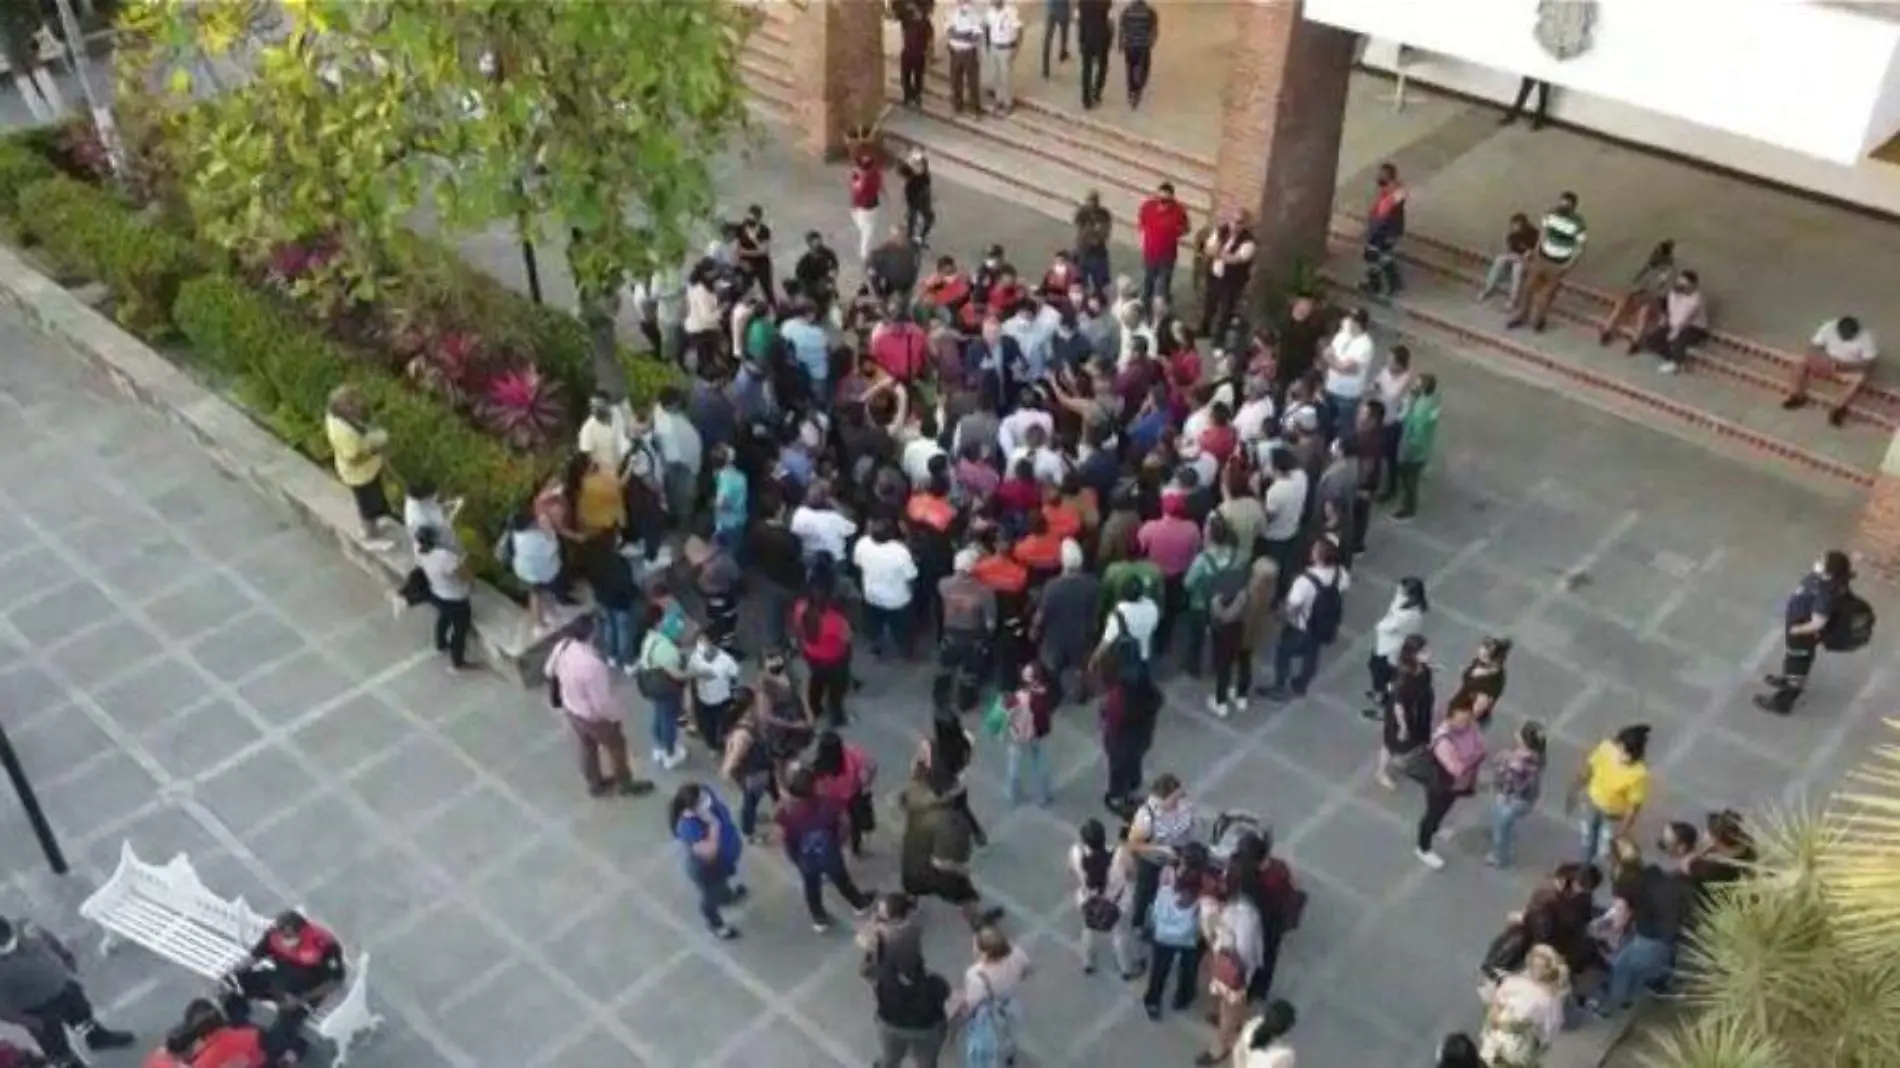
(1101, 896)
(1174, 930)
(1217, 587)
(812, 830)
(711, 843)
(1314, 605)
(1029, 710)
(987, 1003)
(1403, 618)
(1407, 722)
(844, 774)
(912, 1011)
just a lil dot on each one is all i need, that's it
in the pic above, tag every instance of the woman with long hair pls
(1408, 710)
(703, 826)
(1526, 1011)
(1404, 618)
(943, 760)
(1481, 686)
(1457, 755)
(823, 633)
(1518, 778)
(844, 775)
(1101, 875)
(1263, 1041)
(1236, 935)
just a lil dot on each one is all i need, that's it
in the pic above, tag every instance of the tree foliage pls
(582, 115)
(1799, 967)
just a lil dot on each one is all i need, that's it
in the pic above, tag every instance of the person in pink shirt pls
(1170, 544)
(581, 686)
(900, 347)
(844, 775)
(1457, 755)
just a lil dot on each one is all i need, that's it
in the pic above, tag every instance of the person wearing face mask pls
(1685, 322)
(1809, 618)
(1385, 225)
(712, 845)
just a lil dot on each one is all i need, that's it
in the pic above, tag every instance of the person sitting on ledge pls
(294, 967)
(1842, 350)
(1684, 325)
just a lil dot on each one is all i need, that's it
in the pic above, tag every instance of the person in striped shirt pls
(1560, 239)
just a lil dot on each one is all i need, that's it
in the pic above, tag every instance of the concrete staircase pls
(1046, 158)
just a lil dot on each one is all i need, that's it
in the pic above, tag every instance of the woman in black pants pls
(944, 758)
(1457, 754)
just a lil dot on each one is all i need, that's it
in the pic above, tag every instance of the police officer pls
(1806, 616)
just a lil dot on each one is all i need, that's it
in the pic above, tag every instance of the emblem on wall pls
(1564, 26)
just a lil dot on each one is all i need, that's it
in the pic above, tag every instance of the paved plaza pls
(183, 669)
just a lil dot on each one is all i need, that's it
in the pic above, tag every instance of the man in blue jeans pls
(1660, 898)
(1314, 602)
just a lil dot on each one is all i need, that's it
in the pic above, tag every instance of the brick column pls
(1281, 115)
(1877, 536)
(837, 66)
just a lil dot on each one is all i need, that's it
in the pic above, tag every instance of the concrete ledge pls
(249, 453)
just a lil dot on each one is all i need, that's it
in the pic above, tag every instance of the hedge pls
(285, 371)
(89, 231)
(21, 165)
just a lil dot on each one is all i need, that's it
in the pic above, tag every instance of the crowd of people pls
(293, 969)
(1056, 489)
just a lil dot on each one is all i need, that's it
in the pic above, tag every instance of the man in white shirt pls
(1045, 461)
(604, 435)
(919, 450)
(1348, 359)
(677, 440)
(886, 572)
(1250, 422)
(1013, 432)
(1285, 502)
(715, 674)
(1309, 621)
(1003, 31)
(1842, 350)
(1138, 611)
(821, 529)
(966, 34)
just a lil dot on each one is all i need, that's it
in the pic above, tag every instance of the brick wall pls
(1877, 536)
(1281, 115)
(837, 60)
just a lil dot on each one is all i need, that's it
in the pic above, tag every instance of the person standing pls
(1385, 225)
(1094, 36)
(450, 587)
(1457, 755)
(1560, 239)
(660, 674)
(1406, 722)
(1056, 17)
(824, 639)
(913, 59)
(754, 240)
(1003, 32)
(1140, 30)
(987, 1004)
(886, 574)
(912, 1016)
(1403, 618)
(1806, 619)
(1348, 363)
(1066, 612)
(1392, 388)
(1093, 227)
(1161, 221)
(813, 831)
(1518, 779)
(715, 675)
(358, 446)
(1230, 251)
(1028, 725)
(965, 41)
(1524, 87)
(1314, 603)
(920, 201)
(711, 843)
(1101, 896)
(1418, 433)
(40, 990)
(1173, 923)
(867, 192)
(1610, 790)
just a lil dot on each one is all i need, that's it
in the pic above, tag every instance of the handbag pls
(1506, 953)
(1100, 913)
(1229, 970)
(1418, 764)
(554, 680)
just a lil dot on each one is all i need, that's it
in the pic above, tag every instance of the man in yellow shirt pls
(1614, 784)
(357, 448)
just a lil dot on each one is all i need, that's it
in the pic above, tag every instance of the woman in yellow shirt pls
(357, 449)
(1613, 784)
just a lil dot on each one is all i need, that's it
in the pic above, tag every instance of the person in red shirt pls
(1220, 439)
(1061, 276)
(1170, 543)
(823, 633)
(946, 287)
(900, 347)
(295, 966)
(1162, 222)
(867, 192)
(205, 1039)
(1040, 551)
(1018, 495)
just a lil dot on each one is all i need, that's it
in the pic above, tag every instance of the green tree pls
(583, 115)
(1799, 966)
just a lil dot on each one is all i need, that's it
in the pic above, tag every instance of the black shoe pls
(1371, 714)
(1153, 1011)
(990, 915)
(1514, 322)
(1510, 117)
(726, 933)
(1771, 704)
(1837, 416)
(1799, 400)
(106, 1038)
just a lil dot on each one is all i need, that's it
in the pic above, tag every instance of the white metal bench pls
(168, 909)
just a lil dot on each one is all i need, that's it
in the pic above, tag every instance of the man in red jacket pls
(1162, 223)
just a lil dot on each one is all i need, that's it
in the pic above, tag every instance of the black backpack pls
(1849, 626)
(1322, 619)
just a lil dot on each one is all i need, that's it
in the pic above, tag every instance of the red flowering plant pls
(521, 407)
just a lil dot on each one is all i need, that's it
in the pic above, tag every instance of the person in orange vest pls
(207, 1039)
(999, 571)
(294, 967)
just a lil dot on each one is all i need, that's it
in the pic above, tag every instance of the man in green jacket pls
(1417, 437)
(1219, 558)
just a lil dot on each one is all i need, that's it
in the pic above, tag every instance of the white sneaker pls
(1216, 709)
(397, 605)
(1430, 859)
(659, 757)
(1669, 368)
(1240, 704)
(675, 758)
(629, 670)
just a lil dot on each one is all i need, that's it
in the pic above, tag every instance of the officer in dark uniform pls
(1805, 618)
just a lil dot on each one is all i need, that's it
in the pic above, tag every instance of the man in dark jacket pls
(1140, 30)
(913, 20)
(1094, 36)
(40, 991)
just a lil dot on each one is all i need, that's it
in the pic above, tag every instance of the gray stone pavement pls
(183, 669)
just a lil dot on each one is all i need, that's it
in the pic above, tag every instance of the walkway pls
(1775, 264)
(181, 668)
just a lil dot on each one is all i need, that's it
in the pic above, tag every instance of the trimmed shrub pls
(21, 165)
(286, 369)
(89, 231)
